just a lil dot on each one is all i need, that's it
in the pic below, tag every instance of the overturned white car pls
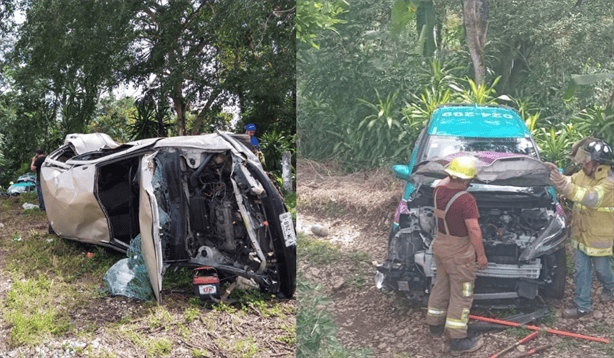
(196, 201)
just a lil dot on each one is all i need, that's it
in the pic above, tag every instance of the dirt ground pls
(357, 210)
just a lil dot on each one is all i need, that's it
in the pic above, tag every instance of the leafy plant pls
(596, 122)
(555, 143)
(315, 326)
(273, 145)
(478, 94)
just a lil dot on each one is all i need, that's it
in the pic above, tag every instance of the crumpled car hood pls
(83, 143)
(493, 168)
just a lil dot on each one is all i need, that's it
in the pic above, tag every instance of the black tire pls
(556, 289)
(285, 255)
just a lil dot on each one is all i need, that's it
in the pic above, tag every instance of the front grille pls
(502, 254)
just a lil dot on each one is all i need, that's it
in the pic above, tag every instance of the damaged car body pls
(196, 201)
(523, 226)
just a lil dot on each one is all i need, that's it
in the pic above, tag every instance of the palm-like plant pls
(597, 122)
(555, 144)
(478, 94)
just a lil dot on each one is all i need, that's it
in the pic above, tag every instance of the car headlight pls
(548, 241)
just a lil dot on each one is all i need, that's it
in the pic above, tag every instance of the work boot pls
(606, 296)
(459, 346)
(436, 331)
(574, 313)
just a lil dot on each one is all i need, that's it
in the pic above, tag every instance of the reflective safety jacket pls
(592, 226)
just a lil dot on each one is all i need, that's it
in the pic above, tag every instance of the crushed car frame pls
(196, 201)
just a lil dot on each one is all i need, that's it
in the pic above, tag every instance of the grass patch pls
(191, 314)
(359, 256)
(158, 347)
(160, 317)
(315, 326)
(199, 353)
(242, 348)
(317, 251)
(357, 281)
(290, 337)
(263, 303)
(32, 311)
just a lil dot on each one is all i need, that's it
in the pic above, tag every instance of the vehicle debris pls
(28, 206)
(129, 277)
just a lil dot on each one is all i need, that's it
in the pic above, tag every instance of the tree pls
(71, 49)
(475, 13)
(188, 52)
(314, 16)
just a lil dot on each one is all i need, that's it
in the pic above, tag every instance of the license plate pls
(288, 229)
(403, 286)
(207, 289)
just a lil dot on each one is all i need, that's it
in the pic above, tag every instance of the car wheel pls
(556, 289)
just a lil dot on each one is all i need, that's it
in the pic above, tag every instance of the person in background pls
(250, 130)
(37, 162)
(592, 225)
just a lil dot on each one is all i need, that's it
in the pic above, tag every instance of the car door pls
(149, 222)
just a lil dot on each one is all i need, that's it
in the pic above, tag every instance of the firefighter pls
(592, 226)
(457, 245)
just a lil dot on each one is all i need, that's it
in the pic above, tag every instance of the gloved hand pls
(558, 181)
(551, 166)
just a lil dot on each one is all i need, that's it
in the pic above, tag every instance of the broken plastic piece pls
(129, 277)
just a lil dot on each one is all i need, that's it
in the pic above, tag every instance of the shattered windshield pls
(441, 146)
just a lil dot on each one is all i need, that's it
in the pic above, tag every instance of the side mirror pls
(401, 171)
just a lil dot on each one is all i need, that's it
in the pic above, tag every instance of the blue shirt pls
(255, 142)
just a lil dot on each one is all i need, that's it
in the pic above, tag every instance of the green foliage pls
(180, 278)
(315, 326)
(596, 122)
(273, 144)
(477, 94)
(531, 50)
(555, 143)
(151, 119)
(313, 16)
(113, 117)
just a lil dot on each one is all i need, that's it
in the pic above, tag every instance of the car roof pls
(477, 121)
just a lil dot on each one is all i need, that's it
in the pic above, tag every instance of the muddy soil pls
(391, 326)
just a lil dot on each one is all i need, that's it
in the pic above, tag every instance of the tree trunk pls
(475, 13)
(201, 115)
(180, 109)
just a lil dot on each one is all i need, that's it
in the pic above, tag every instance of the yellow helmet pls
(462, 167)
